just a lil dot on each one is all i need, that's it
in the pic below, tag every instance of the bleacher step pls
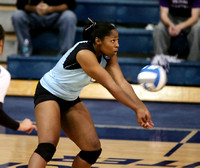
(117, 11)
(7, 2)
(131, 40)
(34, 67)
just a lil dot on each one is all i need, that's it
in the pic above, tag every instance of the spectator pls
(34, 16)
(6, 121)
(178, 19)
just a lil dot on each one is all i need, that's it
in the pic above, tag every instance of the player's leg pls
(48, 124)
(78, 125)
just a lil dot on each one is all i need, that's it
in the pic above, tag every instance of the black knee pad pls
(90, 156)
(46, 151)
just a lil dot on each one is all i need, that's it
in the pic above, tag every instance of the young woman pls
(57, 103)
(26, 125)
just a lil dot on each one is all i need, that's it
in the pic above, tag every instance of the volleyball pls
(152, 77)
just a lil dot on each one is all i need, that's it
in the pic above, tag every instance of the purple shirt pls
(181, 8)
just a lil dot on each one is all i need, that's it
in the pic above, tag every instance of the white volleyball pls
(152, 77)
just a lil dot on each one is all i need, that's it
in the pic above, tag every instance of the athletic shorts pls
(41, 95)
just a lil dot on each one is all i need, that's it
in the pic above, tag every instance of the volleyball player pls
(57, 102)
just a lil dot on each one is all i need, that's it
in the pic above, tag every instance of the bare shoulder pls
(86, 56)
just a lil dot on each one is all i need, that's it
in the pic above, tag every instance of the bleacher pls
(122, 12)
(130, 16)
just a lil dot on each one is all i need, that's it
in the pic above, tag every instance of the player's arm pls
(90, 65)
(6, 121)
(114, 70)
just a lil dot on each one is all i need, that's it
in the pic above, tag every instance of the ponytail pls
(97, 29)
(88, 29)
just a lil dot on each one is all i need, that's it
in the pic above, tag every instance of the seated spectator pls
(35, 16)
(179, 25)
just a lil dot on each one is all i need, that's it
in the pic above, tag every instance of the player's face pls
(110, 44)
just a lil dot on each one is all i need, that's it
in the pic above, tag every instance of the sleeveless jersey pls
(67, 78)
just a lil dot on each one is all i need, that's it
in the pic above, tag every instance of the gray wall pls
(7, 7)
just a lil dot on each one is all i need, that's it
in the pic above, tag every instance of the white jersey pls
(4, 82)
(67, 78)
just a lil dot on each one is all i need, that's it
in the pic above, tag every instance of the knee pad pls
(46, 151)
(90, 156)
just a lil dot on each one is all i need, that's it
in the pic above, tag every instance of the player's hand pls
(27, 126)
(144, 118)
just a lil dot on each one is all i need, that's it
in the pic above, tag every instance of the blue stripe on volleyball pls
(156, 70)
(158, 77)
(146, 69)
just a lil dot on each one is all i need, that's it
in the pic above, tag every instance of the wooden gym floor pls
(173, 142)
(16, 150)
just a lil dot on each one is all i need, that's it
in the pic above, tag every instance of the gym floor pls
(173, 142)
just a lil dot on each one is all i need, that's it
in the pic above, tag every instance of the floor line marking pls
(137, 127)
(189, 136)
(184, 140)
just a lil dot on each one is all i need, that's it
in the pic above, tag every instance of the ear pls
(97, 40)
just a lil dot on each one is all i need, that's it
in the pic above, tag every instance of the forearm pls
(7, 121)
(49, 9)
(131, 93)
(59, 8)
(192, 20)
(164, 16)
(131, 100)
(30, 8)
(120, 95)
(116, 73)
(189, 22)
(166, 20)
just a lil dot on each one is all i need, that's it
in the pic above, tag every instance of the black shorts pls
(41, 95)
